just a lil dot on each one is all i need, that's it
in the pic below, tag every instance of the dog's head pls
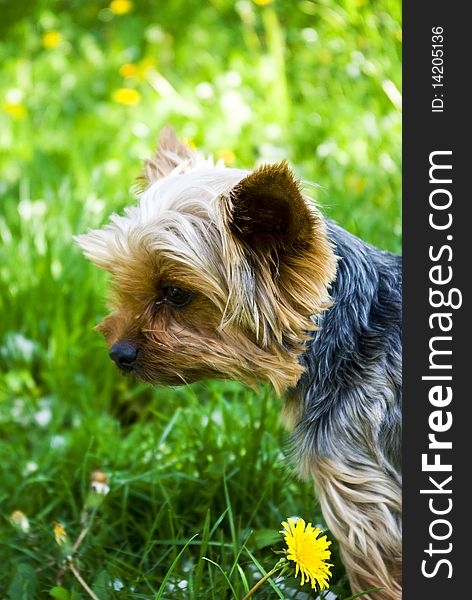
(217, 272)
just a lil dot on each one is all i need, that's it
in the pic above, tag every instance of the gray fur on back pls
(351, 389)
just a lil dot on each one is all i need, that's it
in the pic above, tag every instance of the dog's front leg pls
(362, 507)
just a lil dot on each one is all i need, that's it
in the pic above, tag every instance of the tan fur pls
(292, 410)
(171, 154)
(254, 298)
(362, 507)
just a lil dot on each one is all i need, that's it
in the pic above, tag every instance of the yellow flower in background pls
(126, 96)
(263, 2)
(227, 156)
(51, 39)
(308, 551)
(15, 109)
(129, 70)
(60, 534)
(120, 7)
(137, 70)
(63, 541)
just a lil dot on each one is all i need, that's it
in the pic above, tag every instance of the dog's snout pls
(124, 354)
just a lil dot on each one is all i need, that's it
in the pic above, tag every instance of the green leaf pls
(59, 592)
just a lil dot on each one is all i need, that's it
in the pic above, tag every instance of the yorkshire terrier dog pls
(226, 273)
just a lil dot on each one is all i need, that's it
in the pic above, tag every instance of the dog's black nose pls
(124, 354)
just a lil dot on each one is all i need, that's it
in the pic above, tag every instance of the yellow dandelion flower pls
(60, 534)
(227, 156)
(126, 96)
(263, 2)
(139, 70)
(129, 70)
(51, 39)
(308, 551)
(15, 110)
(120, 7)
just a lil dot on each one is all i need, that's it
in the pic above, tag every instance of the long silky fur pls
(347, 428)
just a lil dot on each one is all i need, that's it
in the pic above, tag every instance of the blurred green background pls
(85, 88)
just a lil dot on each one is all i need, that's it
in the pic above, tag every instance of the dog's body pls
(234, 274)
(348, 431)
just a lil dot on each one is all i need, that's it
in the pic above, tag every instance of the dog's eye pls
(176, 296)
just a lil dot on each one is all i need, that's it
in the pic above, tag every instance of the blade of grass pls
(217, 524)
(243, 579)
(162, 587)
(231, 519)
(203, 550)
(224, 575)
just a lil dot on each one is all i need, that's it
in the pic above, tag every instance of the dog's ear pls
(170, 153)
(266, 210)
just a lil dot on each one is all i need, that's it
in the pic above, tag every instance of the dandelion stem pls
(82, 582)
(76, 545)
(81, 537)
(262, 581)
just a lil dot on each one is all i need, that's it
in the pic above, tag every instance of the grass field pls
(199, 481)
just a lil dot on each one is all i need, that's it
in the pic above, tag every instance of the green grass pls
(198, 475)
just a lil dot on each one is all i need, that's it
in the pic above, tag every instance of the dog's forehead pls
(191, 192)
(173, 228)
